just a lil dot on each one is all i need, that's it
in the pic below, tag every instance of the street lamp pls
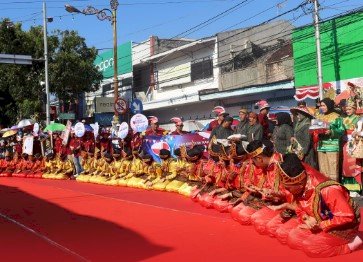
(110, 15)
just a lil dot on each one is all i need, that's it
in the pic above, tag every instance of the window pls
(202, 69)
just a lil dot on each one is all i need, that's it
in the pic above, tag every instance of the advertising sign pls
(79, 129)
(123, 130)
(104, 104)
(104, 61)
(139, 123)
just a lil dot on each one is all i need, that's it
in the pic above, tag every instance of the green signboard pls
(67, 116)
(341, 50)
(104, 61)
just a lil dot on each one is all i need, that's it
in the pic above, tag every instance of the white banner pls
(28, 145)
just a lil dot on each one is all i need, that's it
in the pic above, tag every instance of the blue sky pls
(138, 19)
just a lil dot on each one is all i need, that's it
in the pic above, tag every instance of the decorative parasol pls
(9, 133)
(25, 122)
(55, 127)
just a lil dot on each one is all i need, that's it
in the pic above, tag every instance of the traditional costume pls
(329, 218)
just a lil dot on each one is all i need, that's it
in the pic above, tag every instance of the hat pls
(243, 110)
(219, 110)
(147, 158)
(351, 103)
(176, 120)
(195, 153)
(228, 119)
(262, 104)
(292, 171)
(237, 151)
(164, 154)
(303, 110)
(153, 119)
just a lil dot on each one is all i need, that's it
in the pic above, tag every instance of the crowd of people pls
(282, 178)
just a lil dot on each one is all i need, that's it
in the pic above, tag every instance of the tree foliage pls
(71, 70)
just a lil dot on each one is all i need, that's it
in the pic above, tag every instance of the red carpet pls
(43, 220)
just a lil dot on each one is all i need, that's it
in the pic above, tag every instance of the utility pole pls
(45, 35)
(318, 48)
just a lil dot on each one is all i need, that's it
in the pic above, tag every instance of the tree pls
(71, 70)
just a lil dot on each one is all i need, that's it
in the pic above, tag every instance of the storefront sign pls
(104, 104)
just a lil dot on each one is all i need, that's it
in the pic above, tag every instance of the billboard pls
(341, 49)
(104, 61)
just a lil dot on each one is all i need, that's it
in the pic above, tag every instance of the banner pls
(28, 145)
(153, 144)
(67, 133)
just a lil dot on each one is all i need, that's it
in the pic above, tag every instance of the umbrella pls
(87, 127)
(9, 133)
(25, 122)
(4, 130)
(55, 127)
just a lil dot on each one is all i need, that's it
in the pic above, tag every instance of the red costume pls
(338, 218)
(158, 132)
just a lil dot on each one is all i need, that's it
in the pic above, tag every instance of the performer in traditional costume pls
(9, 165)
(234, 179)
(193, 170)
(115, 168)
(267, 189)
(351, 166)
(329, 146)
(153, 171)
(38, 167)
(178, 176)
(169, 170)
(125, 166)
(303, 118)
(329, 218)
(136, 169)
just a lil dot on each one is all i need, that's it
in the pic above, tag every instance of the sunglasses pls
(180, 125)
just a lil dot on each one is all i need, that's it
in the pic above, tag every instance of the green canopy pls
(55, 127)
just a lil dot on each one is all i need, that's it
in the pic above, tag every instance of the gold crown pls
(255, 153)
(287, 180)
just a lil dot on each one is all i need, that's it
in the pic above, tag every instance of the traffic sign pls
(136, 106)
(121, 106)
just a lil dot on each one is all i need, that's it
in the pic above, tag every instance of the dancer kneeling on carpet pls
(152, 170)
(169, 170)
(264, 187)
(125, 166)
(234, 179)
(329, 218)
(178, 175)
(193, 170)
